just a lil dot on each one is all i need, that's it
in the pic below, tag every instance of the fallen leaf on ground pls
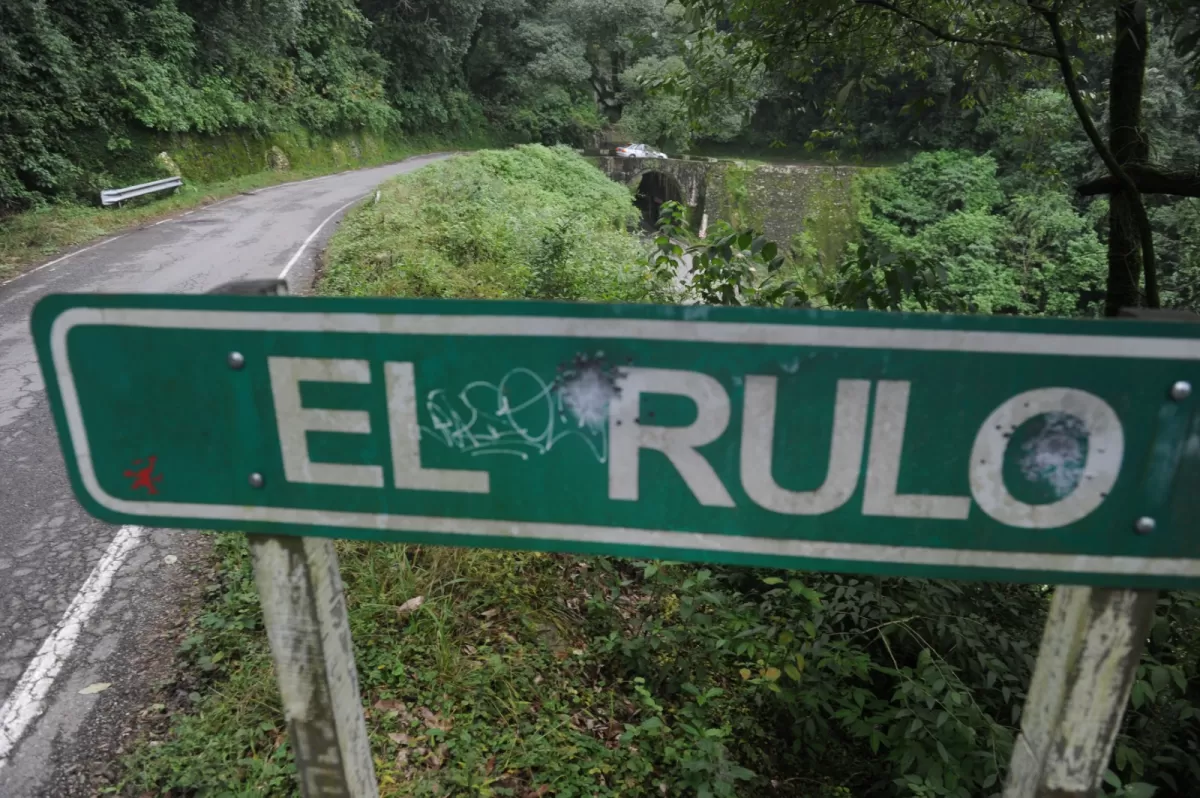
(435, 721)
(98, 687)
(408, 607)
(398, 739)
(490, 613)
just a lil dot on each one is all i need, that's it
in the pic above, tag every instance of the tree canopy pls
(995, 47)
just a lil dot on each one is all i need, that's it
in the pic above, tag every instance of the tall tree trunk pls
(1129, 145)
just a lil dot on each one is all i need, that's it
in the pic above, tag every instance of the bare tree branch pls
(950, 37)
(1148, 181)
(1145, 232)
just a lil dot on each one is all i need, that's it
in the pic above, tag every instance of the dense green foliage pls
(84, 84)
(88, 88)
(852, 76)
(533, 222)
(1019, 253)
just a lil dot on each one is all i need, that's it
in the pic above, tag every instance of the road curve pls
(77, 596)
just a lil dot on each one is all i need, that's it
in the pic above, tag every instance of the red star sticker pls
(144, 477)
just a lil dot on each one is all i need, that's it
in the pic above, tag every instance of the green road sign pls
(1002, 448)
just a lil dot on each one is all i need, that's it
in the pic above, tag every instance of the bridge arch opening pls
(653, 191)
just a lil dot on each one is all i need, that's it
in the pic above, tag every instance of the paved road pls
(77, 595)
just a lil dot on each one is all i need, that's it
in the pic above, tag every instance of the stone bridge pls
(781, 200)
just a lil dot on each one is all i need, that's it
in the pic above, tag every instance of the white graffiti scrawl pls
(524, 415)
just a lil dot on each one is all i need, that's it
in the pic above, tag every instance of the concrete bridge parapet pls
(777, 199)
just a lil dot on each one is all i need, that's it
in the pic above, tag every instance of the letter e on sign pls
(295, 421)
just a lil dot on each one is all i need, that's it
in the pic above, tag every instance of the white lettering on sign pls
(1054, 453)
(1078, 453)
(845, 449)
(406, 436)
(883, 465)
(628, 433)
(295, 421)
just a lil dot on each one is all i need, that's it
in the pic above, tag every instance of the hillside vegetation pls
(95, 93)
(532, 223)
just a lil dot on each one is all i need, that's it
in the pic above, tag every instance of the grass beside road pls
(530, 223)
(476, 669)
(34, 236)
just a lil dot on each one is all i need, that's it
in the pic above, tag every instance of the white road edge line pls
(222, 202)
(61, 259)
(283, 274)
(26, 702)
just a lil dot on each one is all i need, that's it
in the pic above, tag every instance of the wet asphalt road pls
(48, 546)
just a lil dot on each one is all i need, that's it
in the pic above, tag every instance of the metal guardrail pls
(111, 196)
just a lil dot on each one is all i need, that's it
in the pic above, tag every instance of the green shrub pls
(1029, 253)
(532, 222)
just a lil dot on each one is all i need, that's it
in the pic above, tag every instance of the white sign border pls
(694, 330)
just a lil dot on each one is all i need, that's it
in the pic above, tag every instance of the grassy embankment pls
(212, 168)
(482, 672)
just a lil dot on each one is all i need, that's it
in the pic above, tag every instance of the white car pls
(639, 151)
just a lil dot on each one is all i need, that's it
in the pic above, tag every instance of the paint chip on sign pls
(1057, 455)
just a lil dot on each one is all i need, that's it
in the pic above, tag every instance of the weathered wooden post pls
(304, 611)
(1085, 670)
(1092, 645)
